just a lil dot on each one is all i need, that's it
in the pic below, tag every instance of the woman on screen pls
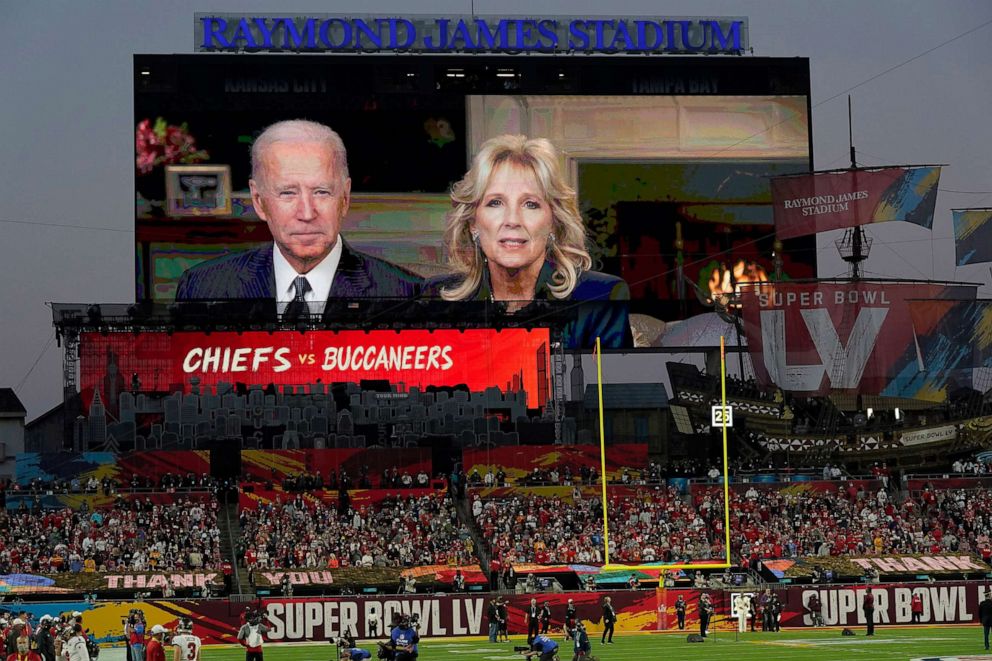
(514, 235)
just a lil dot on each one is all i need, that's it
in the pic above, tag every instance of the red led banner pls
(509, 359)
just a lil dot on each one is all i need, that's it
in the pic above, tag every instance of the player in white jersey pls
(187, 645)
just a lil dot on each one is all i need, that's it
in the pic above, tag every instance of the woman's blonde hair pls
(567, 243)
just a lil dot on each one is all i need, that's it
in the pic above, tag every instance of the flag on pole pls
(972, 235)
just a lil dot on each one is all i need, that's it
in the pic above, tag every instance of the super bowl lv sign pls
(816, 337)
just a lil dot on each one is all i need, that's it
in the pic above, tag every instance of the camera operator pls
(252, 635)
(348, 651)
(543, 648)
(582, 646)
(134, 629)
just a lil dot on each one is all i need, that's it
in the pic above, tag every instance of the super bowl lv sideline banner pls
(318, 620)
(815, 337)
(820, 201)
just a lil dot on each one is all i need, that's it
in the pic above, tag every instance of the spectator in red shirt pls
(155, 651)
(917, 607)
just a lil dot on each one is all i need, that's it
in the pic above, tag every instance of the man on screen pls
(301, 188)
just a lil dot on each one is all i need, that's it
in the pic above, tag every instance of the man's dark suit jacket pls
(250, 275)
(985, 612)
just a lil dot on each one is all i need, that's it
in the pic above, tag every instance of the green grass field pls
(813, 644)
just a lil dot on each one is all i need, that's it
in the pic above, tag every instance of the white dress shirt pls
(320, 277)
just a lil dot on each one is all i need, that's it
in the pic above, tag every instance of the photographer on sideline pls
(582, 647)
(348, 652)
(543, 648)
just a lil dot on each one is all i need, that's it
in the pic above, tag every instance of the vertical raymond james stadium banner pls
(817, 202)
(812, 338)
(479, 359)
(972, 235)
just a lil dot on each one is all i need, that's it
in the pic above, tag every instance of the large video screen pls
(669, 159)
(513, 360)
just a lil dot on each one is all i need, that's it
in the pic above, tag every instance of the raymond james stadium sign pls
(486, 34)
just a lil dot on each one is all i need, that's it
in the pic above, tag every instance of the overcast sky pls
(66, 113)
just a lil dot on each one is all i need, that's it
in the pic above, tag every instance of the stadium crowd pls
(852, 521)
(656, 525)
(654, 473)
(396, 532)
(136, 535)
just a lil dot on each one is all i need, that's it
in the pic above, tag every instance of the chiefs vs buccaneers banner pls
(857, 336)
(509, 359)
(817, 202)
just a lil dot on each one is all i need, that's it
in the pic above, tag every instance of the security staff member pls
(503, 618)
(868, 606)
(570, 619)
(609, 620)
(985, 615)
(680, 611)
(776, 607)
(705, 612)
(533, 621)
(492, 614)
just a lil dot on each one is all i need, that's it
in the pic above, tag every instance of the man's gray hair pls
(298, 130)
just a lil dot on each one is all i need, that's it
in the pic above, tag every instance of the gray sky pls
(66, 113)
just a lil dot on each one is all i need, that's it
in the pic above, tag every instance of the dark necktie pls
(298, 306)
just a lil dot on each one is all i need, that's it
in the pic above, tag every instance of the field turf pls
(813, 644)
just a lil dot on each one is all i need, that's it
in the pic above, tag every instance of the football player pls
(187, 646)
